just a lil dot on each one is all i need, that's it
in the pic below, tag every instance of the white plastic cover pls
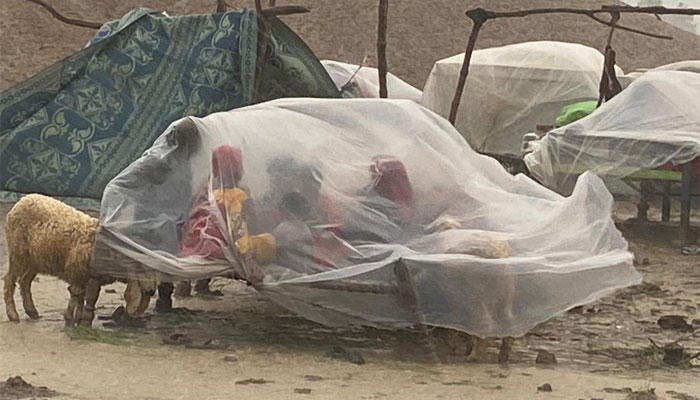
(687, 65)
(381, 215)
(364, 82)
(653, 123)
(512, 89)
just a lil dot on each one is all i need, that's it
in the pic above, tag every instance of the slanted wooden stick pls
(64, 19)
(381, 47)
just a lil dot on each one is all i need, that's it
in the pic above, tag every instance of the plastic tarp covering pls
(362, 212)
(512, 89)
(67, 131)
(364, 82)
(653, 123)
(688, 66)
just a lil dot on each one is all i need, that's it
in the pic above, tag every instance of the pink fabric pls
(391, 180)
(202, 234)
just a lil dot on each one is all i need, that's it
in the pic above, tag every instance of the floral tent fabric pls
(70, 129)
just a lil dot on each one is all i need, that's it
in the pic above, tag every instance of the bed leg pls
(666, 203)
(409, 298)
(686, 189)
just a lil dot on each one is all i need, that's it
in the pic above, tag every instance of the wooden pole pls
(261, 49)
(478, 21)
(381, 47)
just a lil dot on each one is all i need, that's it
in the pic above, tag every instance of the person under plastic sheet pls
(295, 243)
(308, 243)
(203, 234)
(385, 205)
(291, 209)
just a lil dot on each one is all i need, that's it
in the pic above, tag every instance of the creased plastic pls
(362, 212)
(512, 89)
(654, 123)
(363, 82)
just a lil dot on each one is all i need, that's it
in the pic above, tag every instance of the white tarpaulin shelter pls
(361, 211)
(364, 82)
(655, 122)
(512, 89)
(688, 66)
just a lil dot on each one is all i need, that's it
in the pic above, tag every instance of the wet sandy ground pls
(242, 345)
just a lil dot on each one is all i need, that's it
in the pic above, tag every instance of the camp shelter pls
(645, 140)
(363, 212)
(512, 89)
(67, 131)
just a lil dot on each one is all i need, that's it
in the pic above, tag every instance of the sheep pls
(446, 236)
(46, 236)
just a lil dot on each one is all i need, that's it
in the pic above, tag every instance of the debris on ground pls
(647, 394)
(341, 353)
(178, 339)
(545, 388)
(674, 322)
(463, 382)
(680, 396)
(313, 378)
(210, 344)
(230, 358)
(17, 388)
(253, 381)
(545, 358)
(302, 391)
(618, 390)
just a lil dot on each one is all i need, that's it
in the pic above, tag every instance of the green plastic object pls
(574, 112)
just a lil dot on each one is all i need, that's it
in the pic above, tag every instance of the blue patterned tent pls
(69, 130)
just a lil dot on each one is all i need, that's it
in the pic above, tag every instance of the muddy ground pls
(243, 345)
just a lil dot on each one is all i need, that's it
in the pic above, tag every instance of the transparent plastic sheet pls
(361, 211)
(364, 82)
(512, 89)
(653, 123)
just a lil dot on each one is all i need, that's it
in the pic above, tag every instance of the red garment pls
(391, 180)
(202, 234)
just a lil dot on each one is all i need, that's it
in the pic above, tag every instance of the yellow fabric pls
(233, 199)
(264, 247)
(244, 244)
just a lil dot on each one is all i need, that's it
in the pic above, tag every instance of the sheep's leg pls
(92, 293)
(80, 302)
(479, 350)
(164, 303)
(76, 294)
(9, 295)
(506, 349)
(25, 289)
